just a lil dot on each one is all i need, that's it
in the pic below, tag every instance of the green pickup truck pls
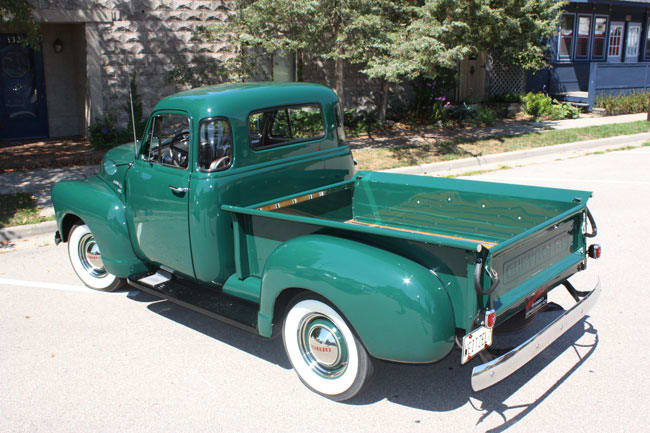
(242, 202)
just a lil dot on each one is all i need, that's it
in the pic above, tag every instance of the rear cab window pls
(290, 124)
(215, 144)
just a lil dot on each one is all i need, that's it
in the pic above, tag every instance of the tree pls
(329, 30)
(16, 16)
(444, 32)
(378, 31)
(391, 40)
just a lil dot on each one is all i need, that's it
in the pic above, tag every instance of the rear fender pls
(399, 309)
(97, 205)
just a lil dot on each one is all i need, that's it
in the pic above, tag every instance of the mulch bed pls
(47, 153)
(73, 151)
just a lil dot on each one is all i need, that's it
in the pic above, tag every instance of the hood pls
(122, 154)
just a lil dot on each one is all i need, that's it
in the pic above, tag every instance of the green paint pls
(394, 253)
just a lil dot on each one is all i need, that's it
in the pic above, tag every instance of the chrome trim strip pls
(486, 375)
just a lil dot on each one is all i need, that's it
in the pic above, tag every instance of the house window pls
(615, 41)
(647, 41)
(566, 36)
(600, 31)
(582, 42)
(633, 42)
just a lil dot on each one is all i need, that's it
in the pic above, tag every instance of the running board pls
(209, 301)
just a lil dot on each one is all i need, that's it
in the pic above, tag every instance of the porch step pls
(207, 300)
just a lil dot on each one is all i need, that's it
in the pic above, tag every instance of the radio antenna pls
(135, 137)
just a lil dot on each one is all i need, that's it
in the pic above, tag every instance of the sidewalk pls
(40, 182)
(590, 121)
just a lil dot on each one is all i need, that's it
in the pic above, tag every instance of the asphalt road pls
(74, 360)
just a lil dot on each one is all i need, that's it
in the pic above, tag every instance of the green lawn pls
(442, 150)
(18, 209)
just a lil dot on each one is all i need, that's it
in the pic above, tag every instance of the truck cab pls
(242, 202)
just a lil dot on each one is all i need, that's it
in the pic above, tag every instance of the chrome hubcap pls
(90, 256)
(322, 346)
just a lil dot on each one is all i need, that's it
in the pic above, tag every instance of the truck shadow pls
(439, 387)
(269, 350)
(445, 386)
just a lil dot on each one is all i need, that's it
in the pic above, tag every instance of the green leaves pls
(16, 16)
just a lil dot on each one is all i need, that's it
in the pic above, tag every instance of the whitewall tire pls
(323, 350)
(86, 261)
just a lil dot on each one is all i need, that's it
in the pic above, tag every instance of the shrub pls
(541, 105)
(505, 98)
(105, 133)
(485, 116)
(635, 102)
(358, 121)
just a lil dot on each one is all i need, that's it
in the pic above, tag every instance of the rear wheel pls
(327, 356)
(86, 260)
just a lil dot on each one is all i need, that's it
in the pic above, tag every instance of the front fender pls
(399, 309)
(104, 213)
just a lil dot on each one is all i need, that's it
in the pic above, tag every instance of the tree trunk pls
(383, 104)
(338, 70)
(299, 66)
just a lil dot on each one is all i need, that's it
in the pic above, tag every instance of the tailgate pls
(537, 261)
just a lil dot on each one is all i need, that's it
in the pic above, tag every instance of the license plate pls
(474, 342)
(534, 305)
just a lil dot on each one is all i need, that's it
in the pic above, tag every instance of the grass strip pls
(19, 209)
(444, 150)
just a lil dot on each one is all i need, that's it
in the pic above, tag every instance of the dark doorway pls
(23, 109)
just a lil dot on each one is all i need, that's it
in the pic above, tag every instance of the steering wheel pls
(179, 156)
(220, 163)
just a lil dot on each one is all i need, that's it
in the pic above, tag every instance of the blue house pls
(601, 47)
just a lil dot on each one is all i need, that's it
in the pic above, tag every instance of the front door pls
(615, 46)
(23, 111)
(157, 187)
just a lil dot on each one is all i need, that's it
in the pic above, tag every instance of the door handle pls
(178, 189)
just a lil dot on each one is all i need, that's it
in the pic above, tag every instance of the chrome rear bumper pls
(486, 375)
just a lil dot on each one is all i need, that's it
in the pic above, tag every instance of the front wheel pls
(86, 260)
(327, 356)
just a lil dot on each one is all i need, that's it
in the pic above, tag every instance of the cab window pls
(285, 125)
(215, 144)
(168, 142)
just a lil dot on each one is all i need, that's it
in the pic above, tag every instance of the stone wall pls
(145, 37)
(149, 38)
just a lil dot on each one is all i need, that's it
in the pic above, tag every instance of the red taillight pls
(490, 318)
(594, 251)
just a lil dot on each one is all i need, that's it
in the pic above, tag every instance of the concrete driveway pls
(74, 360)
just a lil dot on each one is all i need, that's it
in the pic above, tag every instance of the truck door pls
(157, 188)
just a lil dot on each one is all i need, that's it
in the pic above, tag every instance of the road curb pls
(518, 155)
(27, 231)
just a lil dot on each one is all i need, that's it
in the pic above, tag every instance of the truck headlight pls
(109, 167)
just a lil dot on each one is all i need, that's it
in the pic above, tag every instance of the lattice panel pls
(501, 79)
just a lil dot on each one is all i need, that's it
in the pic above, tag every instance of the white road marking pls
(563, 180)
(41, 285)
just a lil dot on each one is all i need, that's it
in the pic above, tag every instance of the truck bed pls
(444, 210)
(529, 232)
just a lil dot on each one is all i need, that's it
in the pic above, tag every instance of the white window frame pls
(612, 25)
(633, 58)
(605, 38)
(576, 36)
(568, 58)
(646, 43)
